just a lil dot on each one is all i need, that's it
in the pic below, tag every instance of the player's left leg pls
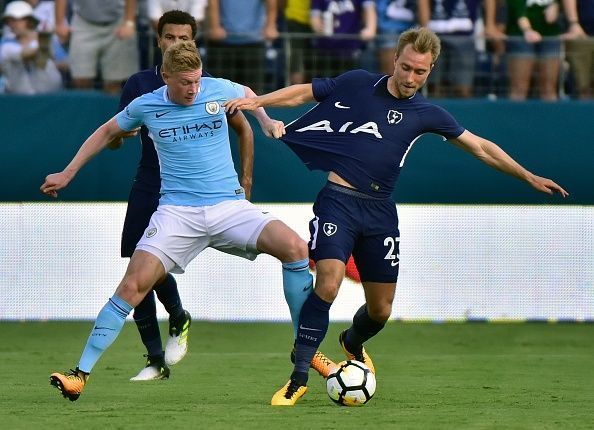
(368, 321)
(145, 317)
(377, 256)
(280, 241)
(179, 320)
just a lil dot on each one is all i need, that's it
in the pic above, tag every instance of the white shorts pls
(177, 234)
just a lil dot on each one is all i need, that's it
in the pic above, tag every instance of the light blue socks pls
(107, 327)
(297, 285)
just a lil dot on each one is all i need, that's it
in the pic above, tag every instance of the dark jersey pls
(147, 177)
(363, 133)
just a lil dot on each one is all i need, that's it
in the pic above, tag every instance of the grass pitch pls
(430, 376)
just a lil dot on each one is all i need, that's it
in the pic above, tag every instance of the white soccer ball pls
(351, 384)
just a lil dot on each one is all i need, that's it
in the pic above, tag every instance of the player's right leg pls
(142, 203)
(313, 325)
(142, 273)
(280, 241)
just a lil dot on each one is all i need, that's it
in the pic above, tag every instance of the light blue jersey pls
(192, 143)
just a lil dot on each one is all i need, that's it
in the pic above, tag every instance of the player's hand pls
(246, 184)
(547, 186)
(130, 133)
(243, 103)
(274, 128)
(55, 182)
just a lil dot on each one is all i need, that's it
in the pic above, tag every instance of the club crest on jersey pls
(212, 108)
(151, 232)
(394, 117)
(329, 228)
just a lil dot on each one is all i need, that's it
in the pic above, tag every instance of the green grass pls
(430, 376)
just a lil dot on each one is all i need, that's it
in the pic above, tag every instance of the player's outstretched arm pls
(492, 155)
(91, 147)
(293, 95)
(270, 127)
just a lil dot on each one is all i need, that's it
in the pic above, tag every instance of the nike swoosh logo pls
(341, 106)
(309, 287)
(104, 328)
(160, 114)
(308, 328)
(394, 263)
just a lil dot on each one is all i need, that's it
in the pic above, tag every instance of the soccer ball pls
(351, 384)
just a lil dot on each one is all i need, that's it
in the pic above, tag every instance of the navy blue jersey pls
(147, 175)
(363, 133)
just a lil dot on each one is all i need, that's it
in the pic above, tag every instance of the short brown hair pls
(181, 57)
(422, 40)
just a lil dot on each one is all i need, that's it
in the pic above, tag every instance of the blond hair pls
(181, 57)
(422, 40)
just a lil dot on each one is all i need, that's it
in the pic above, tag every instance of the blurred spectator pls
(394, 16)
(44, 11)
(299, 45)
(102, 41)
(156, 8)
(454, 22)
(26, 56)
(533, 40)
(236, 39)
(579, 45)
(345, 25)
(495, 17)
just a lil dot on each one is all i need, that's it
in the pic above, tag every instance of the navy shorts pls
(349, 222)
(141, 205)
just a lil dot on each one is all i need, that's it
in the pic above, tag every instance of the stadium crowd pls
(516, 49)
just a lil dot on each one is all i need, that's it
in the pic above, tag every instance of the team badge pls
(151, 232)
(212, 108)
(394, 117)
(329, 228)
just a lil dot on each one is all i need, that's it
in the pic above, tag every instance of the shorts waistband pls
(98, 24)
(351, 192)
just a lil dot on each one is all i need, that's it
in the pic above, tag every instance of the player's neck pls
(393, 89)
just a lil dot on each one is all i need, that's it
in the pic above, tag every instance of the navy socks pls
(313, 325)
(363, 329)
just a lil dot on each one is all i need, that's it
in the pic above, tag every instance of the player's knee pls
(132, 290)
(327, 290)
(380, 313)
(296, 249)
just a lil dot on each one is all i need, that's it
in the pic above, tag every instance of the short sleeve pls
(132, 116)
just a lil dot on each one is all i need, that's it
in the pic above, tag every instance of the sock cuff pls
(318, 302)
(297, 266)
(122, 307)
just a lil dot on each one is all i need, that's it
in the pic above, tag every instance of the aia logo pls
(394, 117)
